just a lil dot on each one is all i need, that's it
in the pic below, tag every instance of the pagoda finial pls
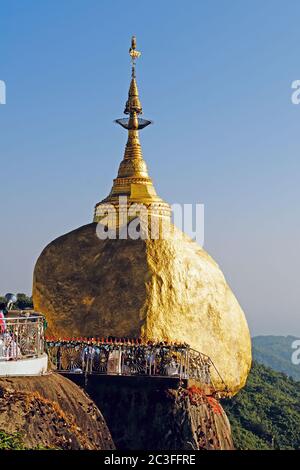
(134, 54)
(133, 104)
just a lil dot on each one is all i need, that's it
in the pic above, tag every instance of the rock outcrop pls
(145, 413)
(168, 290)
(51, 412)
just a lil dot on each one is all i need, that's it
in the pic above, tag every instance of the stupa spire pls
(133, 103)
(133, 163)
(133, 179)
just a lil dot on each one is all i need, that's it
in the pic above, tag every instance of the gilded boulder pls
(158, 290)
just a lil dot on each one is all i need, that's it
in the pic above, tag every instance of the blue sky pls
(215, 76)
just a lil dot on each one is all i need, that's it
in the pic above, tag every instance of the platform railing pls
(21, 337)
(202, 369)
(160, 360)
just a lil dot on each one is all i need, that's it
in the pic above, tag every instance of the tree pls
(23, 302)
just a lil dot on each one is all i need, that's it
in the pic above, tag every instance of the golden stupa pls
(163, 289)
(133, 181)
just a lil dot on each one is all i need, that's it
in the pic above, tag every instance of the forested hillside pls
(266, 413)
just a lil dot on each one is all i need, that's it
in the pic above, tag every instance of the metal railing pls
(201, 367)
(21, 336)
(161, 360)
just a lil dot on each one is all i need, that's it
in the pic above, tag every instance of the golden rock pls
(158, 290)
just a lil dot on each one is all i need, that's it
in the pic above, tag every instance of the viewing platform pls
(114, 359)
(22, 345)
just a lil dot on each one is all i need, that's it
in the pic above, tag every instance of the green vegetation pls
(14, 442)
(11, 441)
(276, 352)
(266, 413)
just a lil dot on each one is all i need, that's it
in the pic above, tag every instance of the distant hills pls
(276, 352)
(266, 413)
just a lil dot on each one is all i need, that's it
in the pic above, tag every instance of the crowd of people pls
(115, 360)
(9, 348)
(21, 334)
(116, 357)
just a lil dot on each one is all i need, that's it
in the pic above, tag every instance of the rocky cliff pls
(51, 412)
(145, 413)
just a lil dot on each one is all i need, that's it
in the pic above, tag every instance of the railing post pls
(37, 327)
(17, 340)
